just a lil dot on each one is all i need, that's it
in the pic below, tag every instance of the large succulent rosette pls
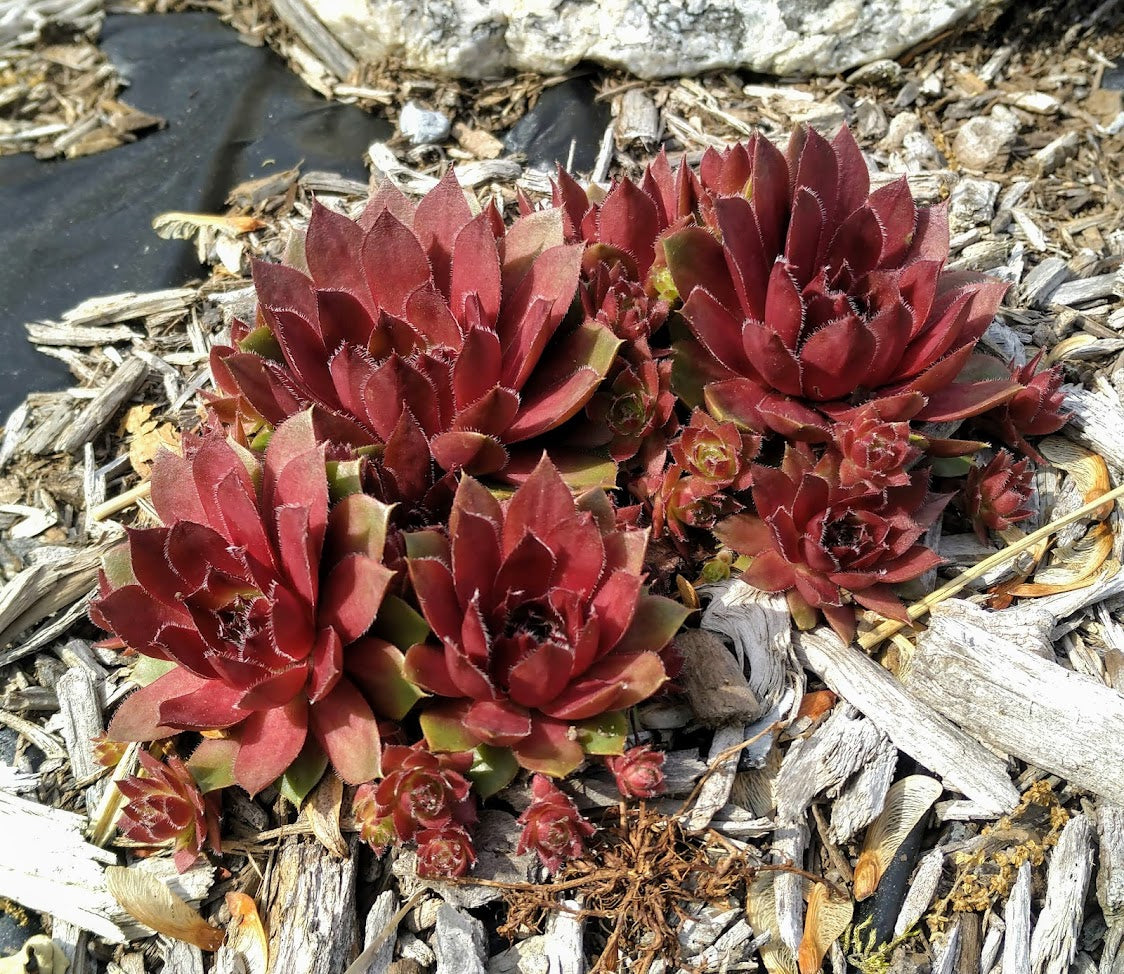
(425, 311)
(544, 633)
(806, 295)
(258, 595)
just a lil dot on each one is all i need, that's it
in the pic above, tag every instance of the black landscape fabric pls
(77, 228)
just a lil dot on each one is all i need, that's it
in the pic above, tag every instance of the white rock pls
(920, 153)
(972, 202)
(421, 125)
(478, 38)
(901, 125)
(985, 141)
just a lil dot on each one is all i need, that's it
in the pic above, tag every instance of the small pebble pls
(984, 142)
(422, 126)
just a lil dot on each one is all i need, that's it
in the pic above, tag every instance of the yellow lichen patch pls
(986, 874)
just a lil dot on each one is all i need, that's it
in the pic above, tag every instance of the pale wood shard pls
(301, 18)
(1084, 290)
(310, 899)
(76, 336)
(992, 944)
(564, 944)
(1016, 915)
(714, 682)
(1016, 701)
(459, 941)
(760, 626)
(81, 722)
(1038, 287)
(49, 866)
(97, 414)
(112, 309)
(820, 763)
(381, 913)
(41, 590)
(1096, 420)
(180, 957)
(914, 726)
(1110, 875)
(946, 951)
(922, 886)
(862, 798)
(638, 117)
(715, 791)
(1053, 945)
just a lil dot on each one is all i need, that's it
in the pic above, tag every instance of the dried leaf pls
(151, 902)
(323, 814)
(246, 936)
(761, 912)
(906, 802)
(184, 226)
(828, 915)
(147, 437)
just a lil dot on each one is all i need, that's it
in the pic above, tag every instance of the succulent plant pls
(1035, 410)
(828, 547)
(421, 790)
(996, 493)
(256, 594)
(422, 311)
(806, 295)
(717, 453)
(445, 852)
(874, 453)
(165, 805)
(678, 500)
(544, 631)
(553, 828)
(638, 772)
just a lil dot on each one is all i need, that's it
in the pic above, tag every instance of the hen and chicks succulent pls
(410, 520)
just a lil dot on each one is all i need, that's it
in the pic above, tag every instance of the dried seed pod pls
(906, 802)
(829, 913)
(761, 912)
(1088, 470)
(153, 904)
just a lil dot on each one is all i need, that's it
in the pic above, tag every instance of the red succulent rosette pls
(717, 453)
(424, 311)
(1035, 410)
(445, 852)
(553, 828)
(165, 805)
(258, 595)
(422, 790)
(874, 453)
(679, 500)
(829, 547)
(541, 617)
(995, 495)
(638, 772)
(806, 294)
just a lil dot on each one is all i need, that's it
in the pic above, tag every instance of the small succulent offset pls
(165, 805)
(544, 628)
(419, 791)
(996, 494)
(553, 828)
(254, 590)
(638, 772)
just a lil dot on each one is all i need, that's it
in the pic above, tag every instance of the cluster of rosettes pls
(408, 514)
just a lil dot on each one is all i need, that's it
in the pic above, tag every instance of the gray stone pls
(984, 142)
(972, 203)
(458, 942)
(423, 126)
(481, 38)
(920, 153)
(901, 125)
